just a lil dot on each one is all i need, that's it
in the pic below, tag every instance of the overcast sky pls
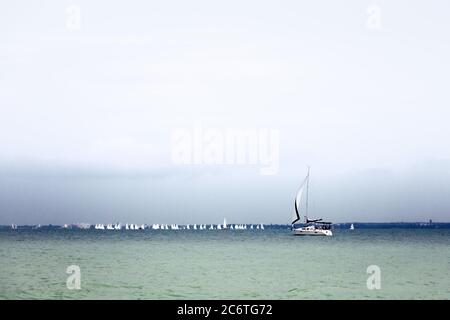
(92, 92)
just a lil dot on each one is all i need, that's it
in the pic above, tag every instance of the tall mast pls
(307, 191)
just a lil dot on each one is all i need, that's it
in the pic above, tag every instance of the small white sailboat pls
(219, 227)
(224, 223)
(314, 227)
(352, 227)
(262, 226)
(13, 226)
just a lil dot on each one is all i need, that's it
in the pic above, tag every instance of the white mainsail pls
(298, 198)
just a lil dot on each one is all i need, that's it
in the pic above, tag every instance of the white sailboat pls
(314, 227)
(100, 226)
(224, 223)
(352, 227)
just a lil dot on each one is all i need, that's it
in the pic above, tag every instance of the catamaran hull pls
(300, 232)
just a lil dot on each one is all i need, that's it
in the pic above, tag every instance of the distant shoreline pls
(344, 225)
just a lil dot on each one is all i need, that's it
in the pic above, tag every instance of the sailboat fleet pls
(311, 227)
(157, 226)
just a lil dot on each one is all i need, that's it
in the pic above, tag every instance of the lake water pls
(218, 264)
